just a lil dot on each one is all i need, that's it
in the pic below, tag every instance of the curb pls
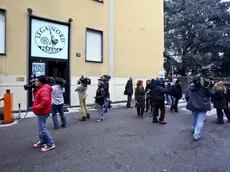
(7, 125)
(30, 114)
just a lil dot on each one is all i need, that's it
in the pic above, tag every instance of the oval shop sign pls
(50, 39)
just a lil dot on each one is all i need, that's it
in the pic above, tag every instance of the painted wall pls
(139, 38)
(138, 42)
(86, 13)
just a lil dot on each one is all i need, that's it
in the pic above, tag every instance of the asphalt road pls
(122, 143)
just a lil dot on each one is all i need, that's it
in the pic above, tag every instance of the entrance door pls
(59, 69)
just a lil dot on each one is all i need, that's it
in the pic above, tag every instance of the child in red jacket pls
(42, 109)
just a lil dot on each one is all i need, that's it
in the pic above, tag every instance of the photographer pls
(58, 102)
(81, 89)
(105, 80)
(198, 102)
(42, 109)
(100, 99)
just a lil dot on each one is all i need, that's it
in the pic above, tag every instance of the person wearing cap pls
(42, 109)
(100, 99)
(81, 89)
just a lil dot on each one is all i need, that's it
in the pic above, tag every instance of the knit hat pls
(43, 79)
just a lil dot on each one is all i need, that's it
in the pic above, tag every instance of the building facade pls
(120, 38)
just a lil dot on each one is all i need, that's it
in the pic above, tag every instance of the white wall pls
(117, 86)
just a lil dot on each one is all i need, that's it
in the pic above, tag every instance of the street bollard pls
(8, 107)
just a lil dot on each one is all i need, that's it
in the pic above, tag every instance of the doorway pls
(51, 68)
(59, 69)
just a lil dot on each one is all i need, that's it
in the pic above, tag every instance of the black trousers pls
(148, 102)
(159, 105)
(174, 105)
(140, 111)
(220, 114)
(129, 100)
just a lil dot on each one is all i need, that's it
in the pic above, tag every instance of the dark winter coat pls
(106, 87)
(176, 91)
(198, 98)
(148, 90)
(100, 95)
(220, 100)
(129, 88)
(140, 97)
(158, 93)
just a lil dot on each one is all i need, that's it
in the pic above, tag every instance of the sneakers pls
(162, 122)
(46, 148)
(100, 120)
(38, 145)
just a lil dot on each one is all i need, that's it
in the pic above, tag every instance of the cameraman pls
(198, 101)
(81, 89)
(58, 102)
(105, 80)
(42, 109)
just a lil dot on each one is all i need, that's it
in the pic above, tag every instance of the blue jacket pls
(158, 91)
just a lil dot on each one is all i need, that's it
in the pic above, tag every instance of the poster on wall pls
(38, 69)
(49, 40)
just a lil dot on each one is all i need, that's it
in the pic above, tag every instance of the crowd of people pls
(199, 95)
(49, 98)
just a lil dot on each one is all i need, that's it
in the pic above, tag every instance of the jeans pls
(44, 135)
(148, 102)
(174, 105)
(83, 107)
(101, 112)
(168, 99)
(197, 123)
(129, 100)
(59, 109)
(106, 104)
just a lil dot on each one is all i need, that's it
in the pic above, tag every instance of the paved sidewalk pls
(122, 143)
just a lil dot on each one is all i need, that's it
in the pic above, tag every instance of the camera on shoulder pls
(84, 80)
(31, 83)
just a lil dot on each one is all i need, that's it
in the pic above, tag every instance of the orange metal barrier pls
(8, 107)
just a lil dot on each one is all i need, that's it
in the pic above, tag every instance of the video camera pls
(59, 81)
(202, 81)
(105, 77)
(84, 80)
(31, 83)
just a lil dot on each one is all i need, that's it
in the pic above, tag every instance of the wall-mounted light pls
(30, 11)
(70, 20)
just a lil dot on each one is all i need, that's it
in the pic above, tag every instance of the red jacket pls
(42, 100)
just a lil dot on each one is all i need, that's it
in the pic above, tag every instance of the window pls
(2, 32)
(94, 46)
